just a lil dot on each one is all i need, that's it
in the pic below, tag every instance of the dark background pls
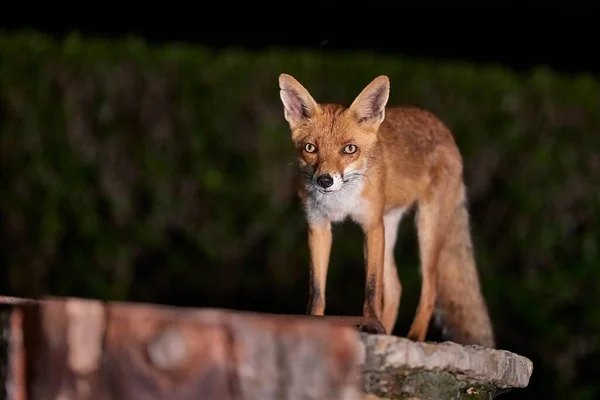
(530, 170)
(520, 38)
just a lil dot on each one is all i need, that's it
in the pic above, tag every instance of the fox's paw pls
(375, 327)
(417, 333)
(316, 307)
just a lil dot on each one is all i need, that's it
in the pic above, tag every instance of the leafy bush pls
(162, 174)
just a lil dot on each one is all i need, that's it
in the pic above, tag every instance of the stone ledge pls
(398, 368)
(90, 349)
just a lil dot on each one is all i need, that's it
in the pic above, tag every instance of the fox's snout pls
(324, 180)
(327, 180)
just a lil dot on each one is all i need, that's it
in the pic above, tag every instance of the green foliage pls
(162, 174)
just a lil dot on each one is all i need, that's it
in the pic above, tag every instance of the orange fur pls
(371, 163)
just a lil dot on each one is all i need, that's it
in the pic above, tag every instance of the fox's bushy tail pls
(461, 311)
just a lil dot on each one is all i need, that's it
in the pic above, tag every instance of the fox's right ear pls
(369, 105)
(298, 104)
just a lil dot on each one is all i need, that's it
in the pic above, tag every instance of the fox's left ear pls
(369, 105)
(298, 104)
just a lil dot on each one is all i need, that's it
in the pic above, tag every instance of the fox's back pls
(414, 134)
(414, 142)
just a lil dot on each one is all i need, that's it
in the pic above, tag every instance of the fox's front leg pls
(319, 242)
(374, 248)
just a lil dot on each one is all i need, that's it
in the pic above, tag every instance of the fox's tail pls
(461, 311)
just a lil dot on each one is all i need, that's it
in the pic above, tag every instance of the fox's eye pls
(310, 148)
(349, 149)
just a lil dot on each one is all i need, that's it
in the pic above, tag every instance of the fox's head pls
(333, 142)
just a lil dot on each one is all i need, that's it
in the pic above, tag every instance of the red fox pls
(372, 163)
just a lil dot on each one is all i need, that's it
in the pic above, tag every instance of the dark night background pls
(155, 169)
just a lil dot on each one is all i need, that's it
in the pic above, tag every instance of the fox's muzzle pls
(324, 180)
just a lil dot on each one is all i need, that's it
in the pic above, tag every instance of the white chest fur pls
(338, 205)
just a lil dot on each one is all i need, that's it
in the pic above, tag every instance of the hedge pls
(162, 174)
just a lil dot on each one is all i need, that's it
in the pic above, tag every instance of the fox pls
(372, 163)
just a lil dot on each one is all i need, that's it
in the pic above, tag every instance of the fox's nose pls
(325, 181)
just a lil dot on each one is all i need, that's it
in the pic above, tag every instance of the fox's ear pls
(298, 104)
(369, 105)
